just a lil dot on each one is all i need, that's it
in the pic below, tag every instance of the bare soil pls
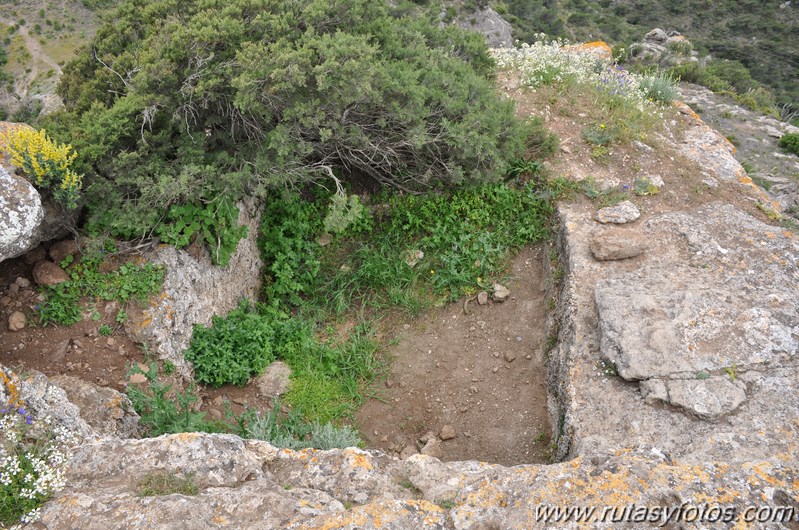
(481, 372)
(77, 350)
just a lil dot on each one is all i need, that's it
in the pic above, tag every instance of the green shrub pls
(790, 142)
(294, 432)
(163, 410)
(182, 120)
(233, 348)
(660, 88)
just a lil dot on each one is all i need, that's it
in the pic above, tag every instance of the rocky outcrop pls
(691, 350)
(663, 49)
(88, 411)
(250, 484)
(756, 137)
(497, 30)
(21, 214)
(195, 290)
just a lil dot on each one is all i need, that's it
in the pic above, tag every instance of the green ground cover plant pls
(62, 304)
(790, 142)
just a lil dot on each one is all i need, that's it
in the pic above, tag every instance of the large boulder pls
(21, 213)
(87, 411)
(250, 484)
(497, 30)
(195, 290)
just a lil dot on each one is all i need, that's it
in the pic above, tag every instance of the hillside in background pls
(762, 35)
(38, 38)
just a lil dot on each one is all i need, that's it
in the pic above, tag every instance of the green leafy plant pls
(105, 330)
(214, 223)
(790, 142)
(234, 347)
(62, 303)
(164, 410)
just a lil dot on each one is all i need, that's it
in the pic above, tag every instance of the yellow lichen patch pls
(771, 235)
(598, 49)
(360, 460)
(220, 520)
(763, 470)
(688, 111)
(10, 381)
(185, 437)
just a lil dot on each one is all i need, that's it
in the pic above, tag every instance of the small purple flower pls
(21, 411)
(29, 420)
(4, 411)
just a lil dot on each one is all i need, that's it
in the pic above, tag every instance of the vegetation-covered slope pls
(763, 36)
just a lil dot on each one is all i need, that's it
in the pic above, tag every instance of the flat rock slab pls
(250, 484)
(660, 322)
(705, 324)
(708, 399)
(622, 213)
(615, 244)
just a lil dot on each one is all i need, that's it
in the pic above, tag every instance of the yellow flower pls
(46, 163)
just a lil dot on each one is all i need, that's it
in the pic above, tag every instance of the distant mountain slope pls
(38, 37)
(761, 34)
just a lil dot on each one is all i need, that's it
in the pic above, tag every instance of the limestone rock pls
(447, 432)
(433, 448)
(482, 298)
(622, 213)
(61, 249)
(616, 244)
(275, 379)
(194, 290)
(497, 31)
(712, 298)
(501, 293)
(17, 321)
(21, 214)
(709, 399)
(108, 412)
(47, 273)
(250, 484)
(43, 398)
(657, 35)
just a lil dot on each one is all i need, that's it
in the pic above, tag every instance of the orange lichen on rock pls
(598, 49)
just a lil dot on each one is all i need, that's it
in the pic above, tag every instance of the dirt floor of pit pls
(481, 372)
